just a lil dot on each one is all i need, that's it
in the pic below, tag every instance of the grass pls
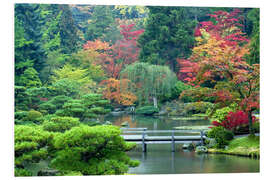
(244, 146)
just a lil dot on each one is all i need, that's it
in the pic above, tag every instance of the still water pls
(160, 160)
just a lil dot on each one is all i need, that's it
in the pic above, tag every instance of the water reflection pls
(160, 160)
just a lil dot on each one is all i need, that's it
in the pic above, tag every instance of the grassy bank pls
(244, 146)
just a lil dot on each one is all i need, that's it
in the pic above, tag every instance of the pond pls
(160, 160)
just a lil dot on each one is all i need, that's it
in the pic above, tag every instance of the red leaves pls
(234, 120)
(127, 49)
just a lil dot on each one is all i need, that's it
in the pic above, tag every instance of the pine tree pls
(101, 20)
(68, 31)
(30, 18)
(168, 35)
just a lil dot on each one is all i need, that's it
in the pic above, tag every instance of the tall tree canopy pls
(168, 35)
(219, 58)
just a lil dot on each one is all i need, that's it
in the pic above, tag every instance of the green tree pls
(29, 78)
(152, 81)
(94, 150)
(101, 20)
(68, 30)
(31, 20)
(168, 35)
(254, 56)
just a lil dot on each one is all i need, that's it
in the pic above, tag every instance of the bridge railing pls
(144, 132)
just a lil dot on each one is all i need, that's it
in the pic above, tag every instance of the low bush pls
(30, 146)
(147, 110)
(197, 107)
(60, 124)
(221, 135)
(220, 114)
(31, 116)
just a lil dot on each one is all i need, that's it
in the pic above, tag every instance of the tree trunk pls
(251, 131)
(155, 101)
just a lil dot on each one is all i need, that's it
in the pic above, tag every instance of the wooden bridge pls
(140, 135)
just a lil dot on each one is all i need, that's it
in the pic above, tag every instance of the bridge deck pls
(160, 138)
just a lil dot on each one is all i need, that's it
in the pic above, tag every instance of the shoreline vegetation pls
(248, 146)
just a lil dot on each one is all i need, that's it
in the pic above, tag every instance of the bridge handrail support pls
(143, 140)
(173, 143)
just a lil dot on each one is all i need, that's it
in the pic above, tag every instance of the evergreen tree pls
(168, 35)
(101, 20)
(68, 31)
(254, 56)
(30, 18)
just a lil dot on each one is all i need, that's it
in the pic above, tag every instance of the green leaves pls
(92, 151)
(60, 124)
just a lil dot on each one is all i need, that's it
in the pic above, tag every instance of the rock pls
(188, 146)
(117, 109)
(125, 124)
(47, 172)
(108, 123)
(114, 113)
(201, 149)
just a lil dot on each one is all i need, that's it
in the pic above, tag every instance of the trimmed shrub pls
(60, 124)
(33, 116)
(19, 172)
(30, 145)
(221, 135)
(147, 110)
(97, 150)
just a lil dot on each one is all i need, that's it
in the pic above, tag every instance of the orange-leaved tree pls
(118, 91)
(218, 61)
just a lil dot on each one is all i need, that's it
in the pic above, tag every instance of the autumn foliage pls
(118, 91)
(114, 58)
(235, 120)
(219, 59)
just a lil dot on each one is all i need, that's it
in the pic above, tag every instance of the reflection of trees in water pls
(129, 119)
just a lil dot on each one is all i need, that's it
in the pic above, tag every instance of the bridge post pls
(144, 147)
(201, 132)
(173, 143)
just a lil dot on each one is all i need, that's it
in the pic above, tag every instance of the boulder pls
(189, 146)
(201, 149)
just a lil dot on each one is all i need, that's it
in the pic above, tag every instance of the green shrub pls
(48, 107)
(221, 135)
(147, 110)
(30, 144)
(19, 172)
(178, 89)
(33, 116)
(220, 114)
(20, 116)
(256, 126)
(93, 150)
(60, 124)
(197, 107)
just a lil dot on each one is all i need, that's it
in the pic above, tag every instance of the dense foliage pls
(74, 64)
